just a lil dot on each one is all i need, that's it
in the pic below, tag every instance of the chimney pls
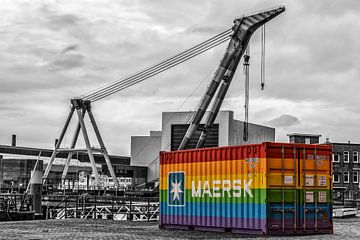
(13, 140)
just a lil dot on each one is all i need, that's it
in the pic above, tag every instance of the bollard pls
(36, 187)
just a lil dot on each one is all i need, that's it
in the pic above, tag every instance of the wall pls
(145, 149)
(169, 118)
(153, 171)
(256, 134)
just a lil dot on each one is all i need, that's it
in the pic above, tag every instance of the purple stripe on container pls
(249, 223)
(299, 232)
(289, 224)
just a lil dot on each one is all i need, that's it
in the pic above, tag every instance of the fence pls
(105, 207)
(10, 202)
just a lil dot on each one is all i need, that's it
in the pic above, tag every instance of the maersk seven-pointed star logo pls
(176, 189)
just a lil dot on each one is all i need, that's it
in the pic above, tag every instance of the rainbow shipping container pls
(268, 188)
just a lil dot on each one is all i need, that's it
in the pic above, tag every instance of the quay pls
(109, 229)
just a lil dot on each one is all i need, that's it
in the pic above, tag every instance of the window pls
(346, 177)
(346, 156)
(336, 157)
(336, 178)
(355, 157)
(355, 177)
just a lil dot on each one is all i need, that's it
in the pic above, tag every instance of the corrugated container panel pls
(268, 188)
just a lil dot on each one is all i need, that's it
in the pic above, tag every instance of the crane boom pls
(219, 98)
(243, 29)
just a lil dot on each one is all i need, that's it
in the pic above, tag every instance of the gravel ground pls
(108, 229)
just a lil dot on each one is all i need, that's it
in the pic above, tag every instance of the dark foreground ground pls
(108, 229)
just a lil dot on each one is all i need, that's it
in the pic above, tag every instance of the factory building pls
(226, 131)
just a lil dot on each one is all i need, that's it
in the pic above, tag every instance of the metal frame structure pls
(81, 107)
(242, 31)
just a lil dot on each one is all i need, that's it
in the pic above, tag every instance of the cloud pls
(285, 120)
(56, 20)
(69, 48)
(53, 52)
(204, 29)
(67, 61)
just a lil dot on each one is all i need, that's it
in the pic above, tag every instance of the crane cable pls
(121, 84)
(158, 68)
(247, 82)
(262, 76)
(246, 106)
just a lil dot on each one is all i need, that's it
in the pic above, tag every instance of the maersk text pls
(222, 188)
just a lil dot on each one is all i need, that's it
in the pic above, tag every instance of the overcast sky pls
(51, 51)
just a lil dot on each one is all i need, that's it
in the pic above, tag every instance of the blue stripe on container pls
(325, 208)
(227, 210)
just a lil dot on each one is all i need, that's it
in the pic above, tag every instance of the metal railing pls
(13, 202)
(104, 207)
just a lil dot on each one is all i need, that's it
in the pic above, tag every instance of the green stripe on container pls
(275, 195)
(259, 196)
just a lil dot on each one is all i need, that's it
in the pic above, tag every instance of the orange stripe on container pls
(219, 167)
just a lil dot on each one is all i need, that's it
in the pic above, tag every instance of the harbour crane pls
(239, 36)
(243, 29)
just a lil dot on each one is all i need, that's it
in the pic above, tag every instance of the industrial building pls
(144, 164)
(79, 173)
(226, 131)
(15, 172)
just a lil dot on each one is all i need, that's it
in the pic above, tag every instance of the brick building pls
(346, 169)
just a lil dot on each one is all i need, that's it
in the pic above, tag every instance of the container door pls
(282, 194)
(315, 195)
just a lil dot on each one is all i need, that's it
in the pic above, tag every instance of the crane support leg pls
(47, 170)
(203, 106)
(102, 146)
(88, 147)
(72, 146)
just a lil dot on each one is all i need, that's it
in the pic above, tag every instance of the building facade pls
(226, 131)
(15, 174)
(304, 138)
(346, 170)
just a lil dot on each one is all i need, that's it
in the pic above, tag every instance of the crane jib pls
(243, 28)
